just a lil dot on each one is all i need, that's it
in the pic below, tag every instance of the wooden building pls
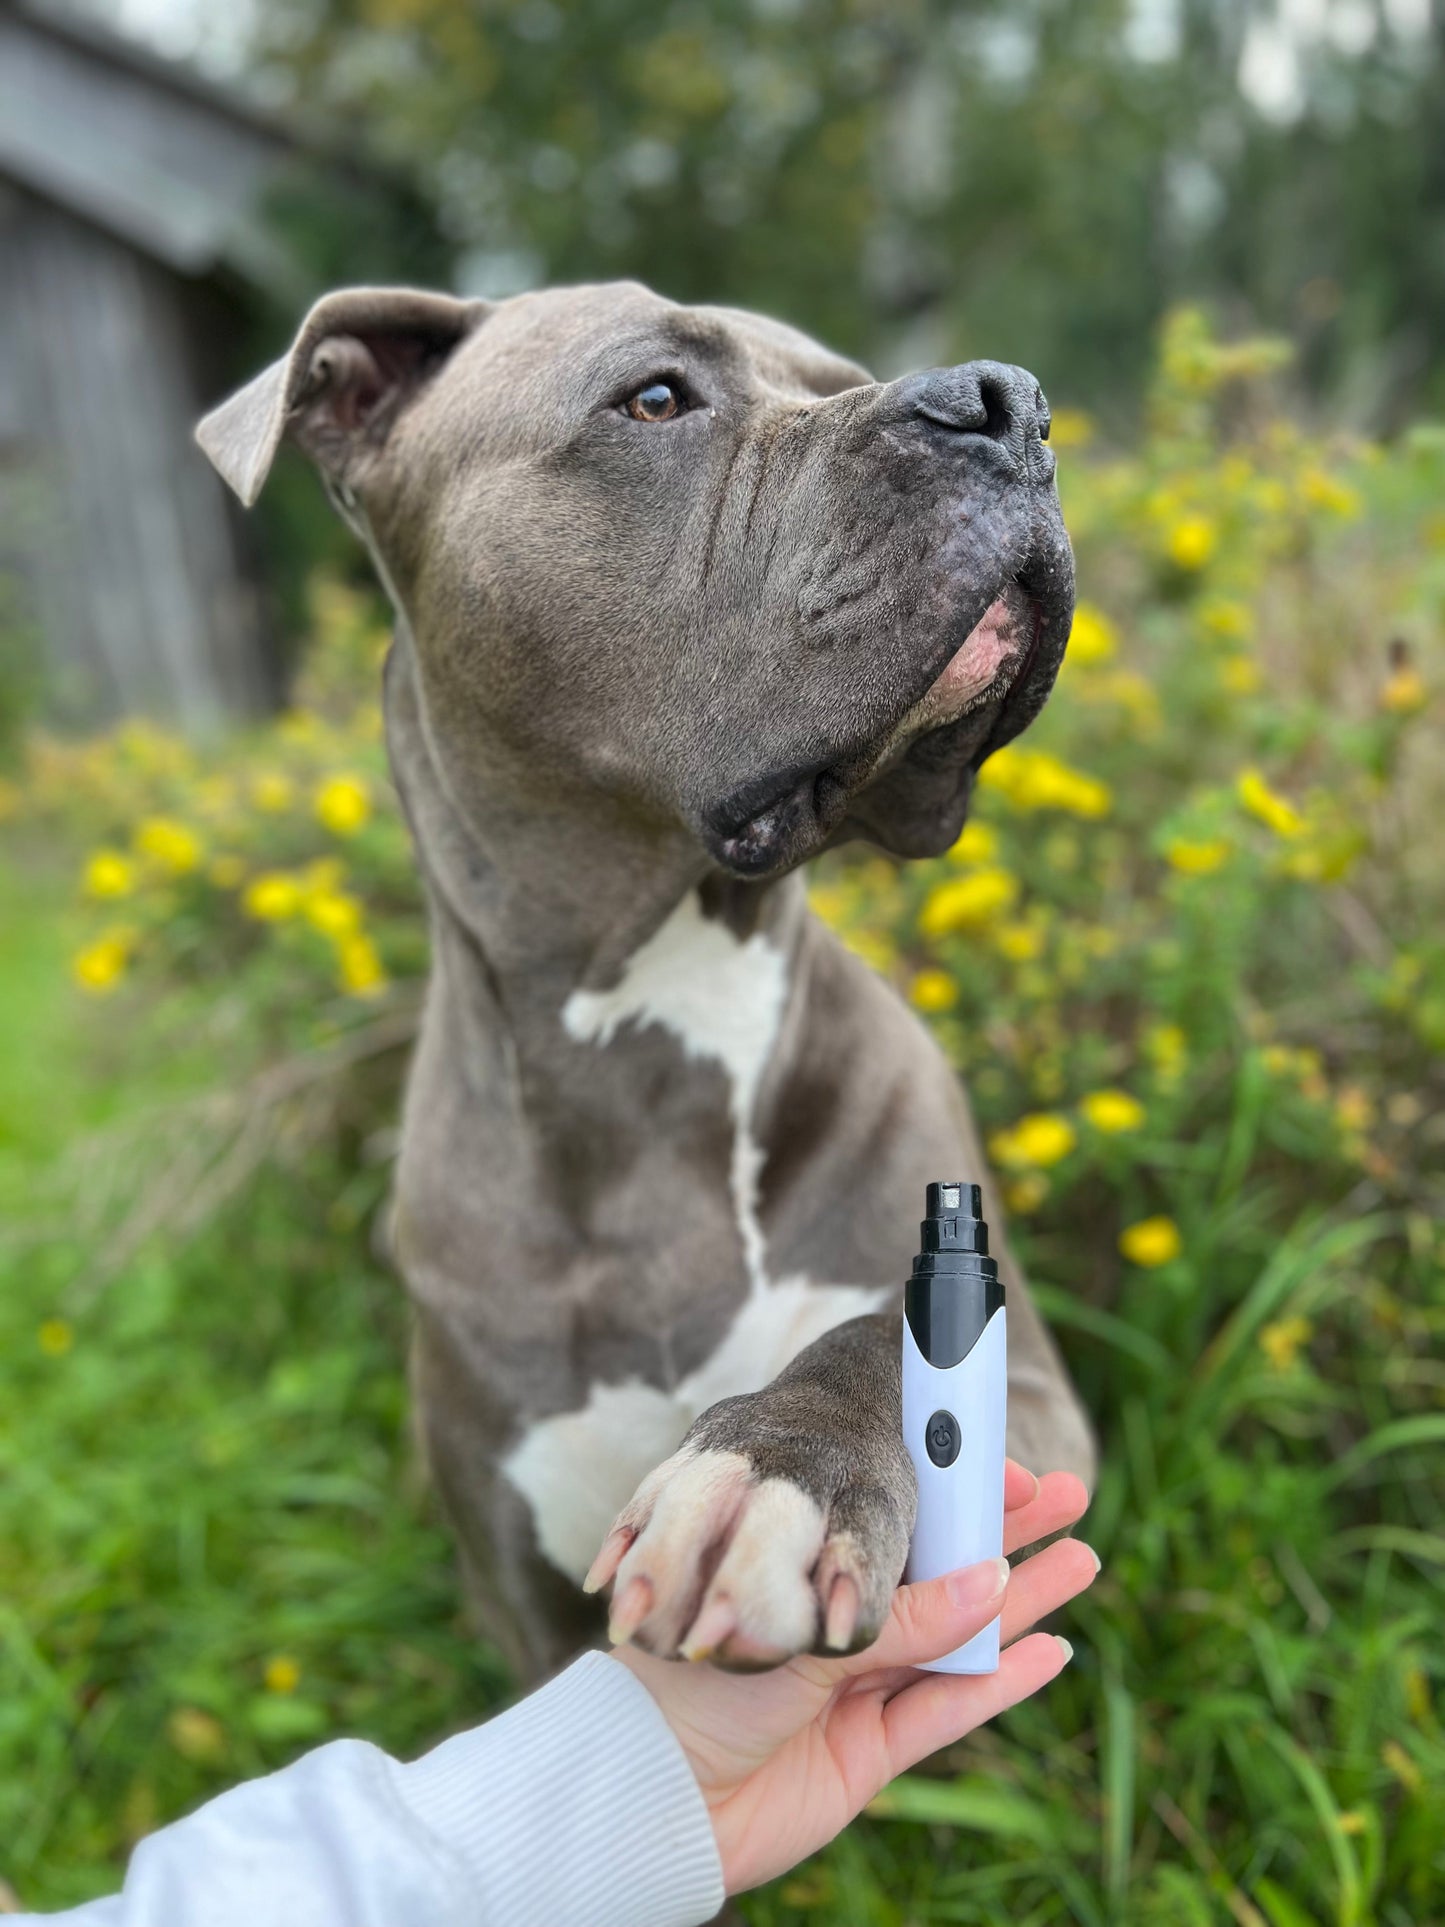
(135, 248)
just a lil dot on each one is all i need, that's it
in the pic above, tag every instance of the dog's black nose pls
(987, 398)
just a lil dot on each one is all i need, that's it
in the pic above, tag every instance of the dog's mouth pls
(985, 691)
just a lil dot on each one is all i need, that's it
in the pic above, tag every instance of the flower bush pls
(1188, 956)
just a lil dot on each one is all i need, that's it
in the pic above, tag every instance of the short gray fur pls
(631, 662)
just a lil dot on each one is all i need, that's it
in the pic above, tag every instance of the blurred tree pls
(1030, 178)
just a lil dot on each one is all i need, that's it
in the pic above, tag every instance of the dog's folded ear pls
(360, 355)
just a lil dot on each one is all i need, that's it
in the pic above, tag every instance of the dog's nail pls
(842, 1615)
(1064, 1647)
(608, 1559)
(708, 1631)
(976, 1585)
(629, 1609)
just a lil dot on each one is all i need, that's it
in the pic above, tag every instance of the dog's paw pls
(747, 1554)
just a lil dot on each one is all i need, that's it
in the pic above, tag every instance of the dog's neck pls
(530, 907)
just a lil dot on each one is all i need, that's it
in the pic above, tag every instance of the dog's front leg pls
(781, 1523)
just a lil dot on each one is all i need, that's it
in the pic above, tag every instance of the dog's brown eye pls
(659, 401)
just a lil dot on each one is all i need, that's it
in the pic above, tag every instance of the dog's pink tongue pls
(992, 643)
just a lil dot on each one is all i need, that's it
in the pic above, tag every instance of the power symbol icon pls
(943, 1438)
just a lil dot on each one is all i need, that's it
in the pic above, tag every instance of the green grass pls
(216, 1474)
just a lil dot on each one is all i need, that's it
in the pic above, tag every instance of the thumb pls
(934, 1616)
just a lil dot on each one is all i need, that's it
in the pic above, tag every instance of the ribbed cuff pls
(575, 1809)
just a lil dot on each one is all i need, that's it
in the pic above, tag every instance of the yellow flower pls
(272, 897)
(1403, 1765)
(1032, 779)
(169, 844)
(1192, 541)
(1093, 638)
(55, 1338)
(196, 1735)
(1197, 859)
(109, 874)
(1226, 618)
(1405, 692)
(343, 804)
(1240, 675)
(333, 913)
(101, 965)
(1327, 492)
(1039, 1140)
(1167, 1049)
(1025, 1194)
(1112, 1111)
(933, 990)
(272, 792)
(227, 872)
(1270, 808)
(977, 843)
(1071, 428)
(1354, 1108)
(1019, 942)
(362, 974)
(1281, 1342)
(967, 902)
(1151, 1242)
(282, 1674)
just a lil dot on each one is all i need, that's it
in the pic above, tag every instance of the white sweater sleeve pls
(576, 1808)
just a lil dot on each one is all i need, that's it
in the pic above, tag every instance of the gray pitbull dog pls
(681, 599)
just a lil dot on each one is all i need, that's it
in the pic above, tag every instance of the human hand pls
(786, 1758)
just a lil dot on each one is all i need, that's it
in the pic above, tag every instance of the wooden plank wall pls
(119, 528)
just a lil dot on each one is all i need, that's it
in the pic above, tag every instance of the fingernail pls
(975, 1585)
(1064, 1647)
(842, 1615)
(1098, 1562)
(708, 1631)
(629, 1609)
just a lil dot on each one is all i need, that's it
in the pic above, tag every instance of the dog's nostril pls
(986, 398)
(999, 409)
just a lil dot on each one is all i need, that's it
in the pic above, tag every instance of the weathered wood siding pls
(122, 535)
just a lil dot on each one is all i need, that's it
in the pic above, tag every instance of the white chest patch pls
(722, 1000)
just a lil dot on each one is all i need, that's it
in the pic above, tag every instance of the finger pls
(1045, 1582)
(942, 1707)
(935, 1615)
(1019, 1485)
(1061, 1499)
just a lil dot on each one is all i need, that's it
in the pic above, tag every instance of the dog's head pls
(685, 559)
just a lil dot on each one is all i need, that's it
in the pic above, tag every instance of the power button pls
(943, 1438)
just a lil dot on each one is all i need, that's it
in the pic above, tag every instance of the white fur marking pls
(579, 1469)
(721, 999)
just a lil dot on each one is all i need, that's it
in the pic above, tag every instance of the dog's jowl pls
(681, 599)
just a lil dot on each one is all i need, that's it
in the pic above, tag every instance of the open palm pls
(786, 1758)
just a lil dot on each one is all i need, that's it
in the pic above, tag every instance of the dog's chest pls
(722, 1000)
